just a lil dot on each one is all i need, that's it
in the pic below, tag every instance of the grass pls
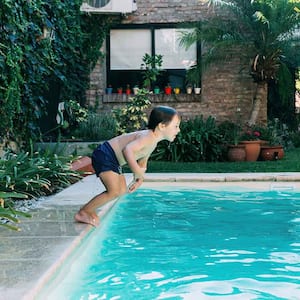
(289, 163)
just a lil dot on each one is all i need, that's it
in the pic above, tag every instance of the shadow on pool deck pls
(29, 257)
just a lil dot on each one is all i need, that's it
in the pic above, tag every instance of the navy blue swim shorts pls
(104, 159)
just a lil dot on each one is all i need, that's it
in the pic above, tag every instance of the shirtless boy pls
(133, 149)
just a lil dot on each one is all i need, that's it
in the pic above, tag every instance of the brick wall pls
(227, 89)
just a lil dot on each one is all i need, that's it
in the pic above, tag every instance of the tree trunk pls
(259, 100)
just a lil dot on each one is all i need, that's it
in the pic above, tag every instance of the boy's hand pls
(136, 183)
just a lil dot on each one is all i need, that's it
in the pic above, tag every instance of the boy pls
(133, 149)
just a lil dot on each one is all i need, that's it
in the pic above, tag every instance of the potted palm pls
(193, 77)
(151, 67)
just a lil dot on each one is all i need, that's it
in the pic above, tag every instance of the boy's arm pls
(143, 163)
(137, 168)
(137, 181)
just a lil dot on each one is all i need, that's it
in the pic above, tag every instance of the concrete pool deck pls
(29, 257)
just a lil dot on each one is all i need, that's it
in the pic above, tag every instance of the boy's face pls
(172, 129)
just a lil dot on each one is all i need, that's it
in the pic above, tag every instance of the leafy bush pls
(97, 127)
(198, 140)
(230, 132)
(295, 138)
(132, 117)
(33, 175)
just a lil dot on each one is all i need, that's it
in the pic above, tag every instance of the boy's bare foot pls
(85, 217)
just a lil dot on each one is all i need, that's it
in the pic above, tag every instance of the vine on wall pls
(43, 42)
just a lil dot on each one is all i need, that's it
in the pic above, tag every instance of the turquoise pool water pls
(191, 244)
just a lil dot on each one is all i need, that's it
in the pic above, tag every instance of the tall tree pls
(267, 32)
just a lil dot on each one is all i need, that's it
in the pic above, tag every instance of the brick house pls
(226, 88)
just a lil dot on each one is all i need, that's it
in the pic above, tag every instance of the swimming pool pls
(184, 243)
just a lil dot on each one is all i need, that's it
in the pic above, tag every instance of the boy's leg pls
(115, 185)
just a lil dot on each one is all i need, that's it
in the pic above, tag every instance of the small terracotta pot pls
(271, 152)
(236, 153)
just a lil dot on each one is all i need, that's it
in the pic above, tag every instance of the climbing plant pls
(43, 42)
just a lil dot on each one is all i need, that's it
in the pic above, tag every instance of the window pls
(127, 46)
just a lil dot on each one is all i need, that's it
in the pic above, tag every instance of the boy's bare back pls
(142, 142)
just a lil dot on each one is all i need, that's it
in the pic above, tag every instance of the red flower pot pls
(168, 90)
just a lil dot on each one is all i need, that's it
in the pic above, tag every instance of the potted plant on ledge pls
(193, 77)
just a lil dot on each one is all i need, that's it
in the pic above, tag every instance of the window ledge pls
(117, 98)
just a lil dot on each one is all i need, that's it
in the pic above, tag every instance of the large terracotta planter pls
(236, 153)
(83, 164)
(271, 152)
(252, 149)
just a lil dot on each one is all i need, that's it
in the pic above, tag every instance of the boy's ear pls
(161, 126)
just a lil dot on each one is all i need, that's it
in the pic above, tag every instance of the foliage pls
(76, 113)
(198, 140)
(274, 133)
(193, 75)
(98, 127)
(279, 134)
(251, 133)
(133, 117)
(264, 29)
(294, 138)
(43, 42)
(151, 67)
(72, 116)
(230, 132)
(7, 213)
(33, 175)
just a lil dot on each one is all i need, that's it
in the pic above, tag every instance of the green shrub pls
(25, 175)
(230, 132)
(295, 138)
(133, 117)
(198, 140)
(97, 127)
(35, 175)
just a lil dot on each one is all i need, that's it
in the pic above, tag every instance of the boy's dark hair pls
(161, 114)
